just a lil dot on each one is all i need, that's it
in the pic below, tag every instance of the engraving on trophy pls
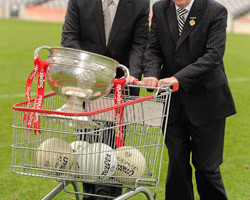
(84, 78)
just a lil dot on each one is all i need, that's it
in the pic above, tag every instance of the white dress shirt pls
(188, 8)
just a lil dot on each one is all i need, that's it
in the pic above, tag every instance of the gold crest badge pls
(192, 21)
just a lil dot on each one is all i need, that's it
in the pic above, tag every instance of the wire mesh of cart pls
(98, 146)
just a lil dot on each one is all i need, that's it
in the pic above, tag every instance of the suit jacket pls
(84, 29)
(195, 59)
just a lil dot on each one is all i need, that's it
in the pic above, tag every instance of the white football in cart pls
(77, 146)
(131, 163)
(56, 155)
(98, 160)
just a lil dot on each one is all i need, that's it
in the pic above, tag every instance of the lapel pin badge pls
(192, 21)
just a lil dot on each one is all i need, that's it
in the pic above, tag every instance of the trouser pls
(106, 137)
(205, 144)
(100, 190)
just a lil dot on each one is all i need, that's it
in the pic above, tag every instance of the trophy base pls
(78, 122)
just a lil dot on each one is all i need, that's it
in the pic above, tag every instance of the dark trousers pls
(206, 145)
(108, 137)
(100, 190)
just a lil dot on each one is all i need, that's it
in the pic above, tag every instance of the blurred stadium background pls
(28, 24)
(54, 10)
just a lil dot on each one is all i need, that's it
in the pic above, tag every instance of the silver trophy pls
(80, 76)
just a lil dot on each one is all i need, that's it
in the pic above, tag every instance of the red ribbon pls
(119, 138)
(40, 68)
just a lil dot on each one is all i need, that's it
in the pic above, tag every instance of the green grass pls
(19, 39)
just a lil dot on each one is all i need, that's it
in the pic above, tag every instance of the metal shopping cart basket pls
(84, 147)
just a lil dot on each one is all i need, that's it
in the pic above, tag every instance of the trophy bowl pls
(79, 76)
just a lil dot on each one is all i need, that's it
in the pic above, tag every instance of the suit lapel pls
(98, 15)
(172, 20)
(121, 14)
(196, 11)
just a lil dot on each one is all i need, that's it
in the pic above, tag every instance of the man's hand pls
(150, 81)
(172, 80)
(132, 80)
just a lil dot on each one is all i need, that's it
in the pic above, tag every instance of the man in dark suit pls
(186, 48)
(113, 28)
(84, 29)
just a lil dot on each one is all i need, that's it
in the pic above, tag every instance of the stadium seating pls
(56, 4)
(50, 10)
(236, 7)
(16, 4)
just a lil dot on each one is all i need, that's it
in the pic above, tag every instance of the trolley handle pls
(174, 87)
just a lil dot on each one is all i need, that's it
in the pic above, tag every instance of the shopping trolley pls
(134, 164)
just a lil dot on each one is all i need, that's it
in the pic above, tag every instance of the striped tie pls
(107, 18)
(180, 18)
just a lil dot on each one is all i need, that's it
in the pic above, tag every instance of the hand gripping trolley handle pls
(118, 145)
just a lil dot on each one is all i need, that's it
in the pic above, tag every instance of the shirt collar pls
(115, 1)
(188, 7)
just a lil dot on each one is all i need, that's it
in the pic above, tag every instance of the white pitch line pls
(240, 79)
(13, 95)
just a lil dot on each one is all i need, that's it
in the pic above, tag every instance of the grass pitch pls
(19, 39)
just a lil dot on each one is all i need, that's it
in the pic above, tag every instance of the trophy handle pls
(39, 48)
(125, 70)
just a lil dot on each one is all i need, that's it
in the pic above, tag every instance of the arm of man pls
(213, 53)
(70, 31)
(140, 36)
(153, 56)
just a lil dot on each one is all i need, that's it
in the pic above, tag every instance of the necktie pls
(180, 18)
(107, 18)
